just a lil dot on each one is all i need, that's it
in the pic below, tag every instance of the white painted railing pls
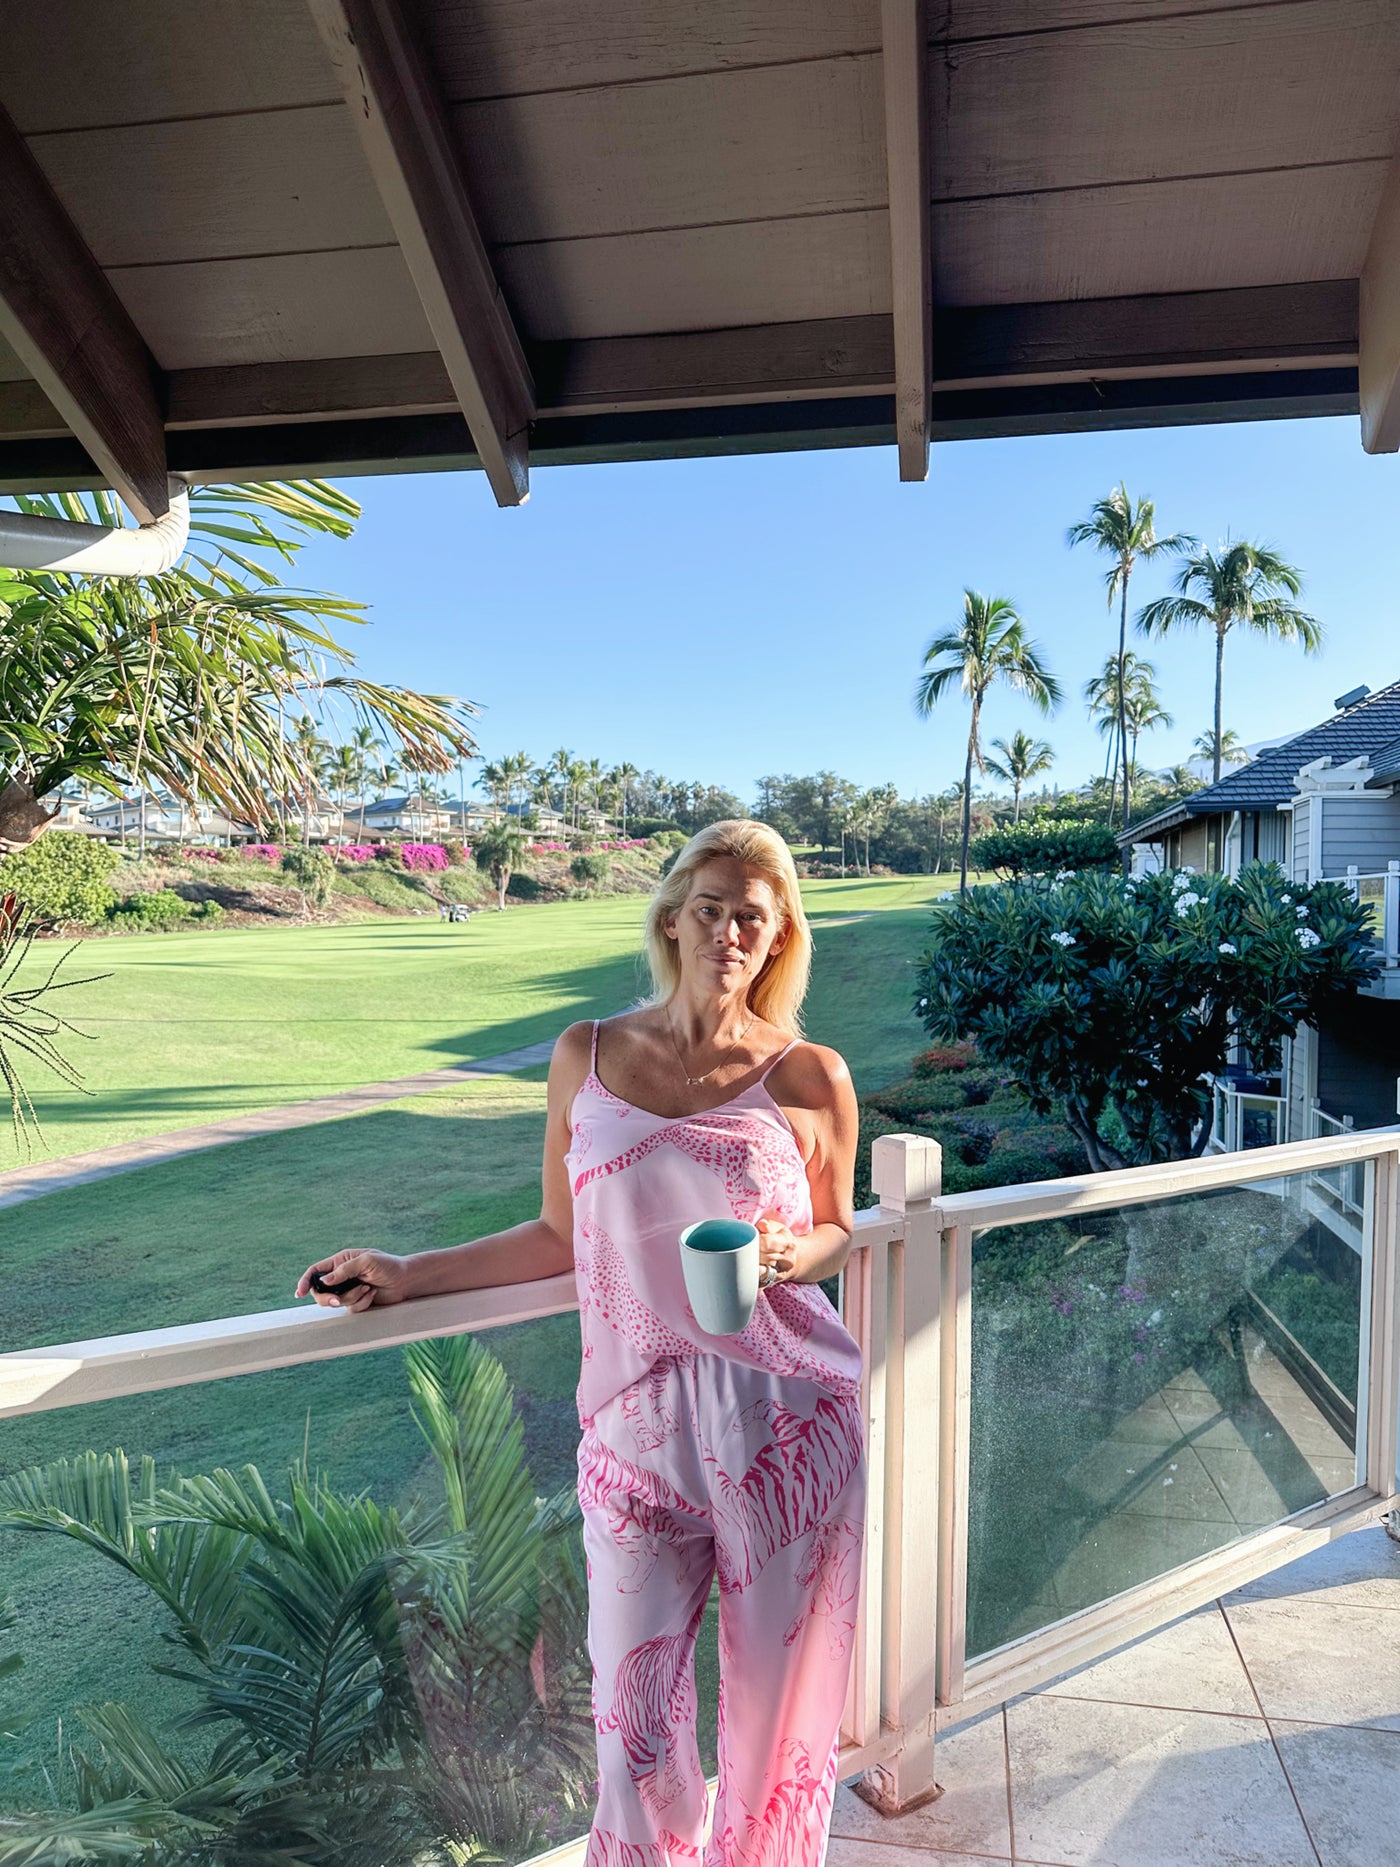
(908, 1298)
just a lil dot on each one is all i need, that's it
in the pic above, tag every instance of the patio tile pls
(1254, 1422)
(1099, 1785)
(1126, 1548)
(1265, 1486)
(1346, 1782)
(843, 1853)
(1319, 1663)
(1147, 1481)
(1192, 1664)
(1360, 1569)
(970, 1817)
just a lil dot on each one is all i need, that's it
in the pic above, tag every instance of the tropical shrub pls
(312, 873)
(1114, 999)
(590, 871)
(940, 1058)
(383, 1684)
(63, 878)
(498, 851)
(156, 911)
(1045, 848)
(270, 853)
(656, 826)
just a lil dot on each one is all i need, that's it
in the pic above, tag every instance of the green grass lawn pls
(194, 1026)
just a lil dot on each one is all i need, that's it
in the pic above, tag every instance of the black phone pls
(319, 1284)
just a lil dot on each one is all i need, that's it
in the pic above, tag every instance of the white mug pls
(720, 1260)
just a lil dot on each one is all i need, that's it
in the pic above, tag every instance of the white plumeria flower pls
(1064, 875)
(1287, 900)
(923, 1004)
(1179, 880)
(1185, 903)
(1302, 913)
(1227, 946)
(1064, 939)
(1307, 938)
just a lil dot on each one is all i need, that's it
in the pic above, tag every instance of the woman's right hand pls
(383, 1279)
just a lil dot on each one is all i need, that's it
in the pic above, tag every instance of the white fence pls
(908, 1296)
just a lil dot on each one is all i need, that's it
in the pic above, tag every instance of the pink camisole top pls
(638, 1180)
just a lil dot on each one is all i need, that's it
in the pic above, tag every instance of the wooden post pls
(907, 1175)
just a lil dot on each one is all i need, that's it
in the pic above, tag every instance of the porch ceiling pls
(310, 234)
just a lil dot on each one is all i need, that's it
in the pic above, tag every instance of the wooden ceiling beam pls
(904, 40)
(72, 333)
(402, 124)
(1379, 361)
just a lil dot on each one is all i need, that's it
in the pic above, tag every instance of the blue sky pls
(719, 619)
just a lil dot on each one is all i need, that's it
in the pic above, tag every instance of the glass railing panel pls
(1370, 893)
(1150, 1383)
(376, 1670)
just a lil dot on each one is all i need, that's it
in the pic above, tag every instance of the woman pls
(743, 1453)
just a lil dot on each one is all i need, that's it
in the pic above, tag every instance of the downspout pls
(79, 550)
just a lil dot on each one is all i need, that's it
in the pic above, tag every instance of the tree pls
(1245, 585)
(990, 645)
(312, 873)
(623, 776)
(1229, 751)
(1126, 532)
(1117, 999)
(185, 680)
(515, 769)
(1047, 847)
(492, 780)
(498, 850)
(1124, 697)
(1021, 760)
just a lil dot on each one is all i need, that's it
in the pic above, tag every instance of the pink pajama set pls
(742, 1454)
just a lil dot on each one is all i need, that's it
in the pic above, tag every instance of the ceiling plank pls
(1379, 361)
(904, 32)
(68, 327)
(396, 109)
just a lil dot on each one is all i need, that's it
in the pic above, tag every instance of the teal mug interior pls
(718, 1235)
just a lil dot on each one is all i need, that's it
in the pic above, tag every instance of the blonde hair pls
(777, 994)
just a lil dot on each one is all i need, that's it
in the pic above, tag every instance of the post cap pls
(906, 1167)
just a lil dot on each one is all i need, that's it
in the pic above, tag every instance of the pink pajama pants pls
(707, 1464)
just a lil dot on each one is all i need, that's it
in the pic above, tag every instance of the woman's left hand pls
(777, 1252)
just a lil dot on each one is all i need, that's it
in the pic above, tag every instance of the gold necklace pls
(695, 1081)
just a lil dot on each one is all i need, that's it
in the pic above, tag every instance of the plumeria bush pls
(1114, 999)
(1045, 847)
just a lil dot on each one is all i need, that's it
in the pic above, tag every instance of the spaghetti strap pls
(778, 1059)
(593, 1056)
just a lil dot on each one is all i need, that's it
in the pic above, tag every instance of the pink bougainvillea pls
(423, 856)
(263, 852)
(360, 852)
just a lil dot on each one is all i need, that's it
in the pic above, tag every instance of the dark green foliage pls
(590, 871)
(63, 878)
(382, 1684)
(653, 826)
(1113, 1000)
(151, 911)
(1045, 848)
(312, 872)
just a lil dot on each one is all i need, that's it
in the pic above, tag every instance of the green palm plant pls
(1229, 751)
(1022, 758)
(381, 1683)
(516, 766)
(1127, 533)
(990, 645)
(1123, 696)
(499, 850)
(1241, 585)
(492, 780)
(1142, 713)
(183, 681)
(365, 744)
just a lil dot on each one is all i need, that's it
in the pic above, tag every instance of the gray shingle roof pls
(1372, 727)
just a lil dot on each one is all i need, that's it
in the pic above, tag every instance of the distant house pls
(409, 814)
(118, 818)
(1325, 805)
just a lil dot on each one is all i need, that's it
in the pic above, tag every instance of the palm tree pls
(1127, 533)
(1023, 759)
(560, 765)
(345, 770)
(499, 849)
(1143, 712)
(1244, 584)
(516, 768)
(1130, 703)
(1229, 752)
(596, 779)
(577, 776)
(366, 743)
(622, 776)
(990, 645)
(493, 781)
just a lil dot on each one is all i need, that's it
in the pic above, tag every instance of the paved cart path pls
(22, 1183)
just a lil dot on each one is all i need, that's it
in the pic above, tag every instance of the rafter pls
(904, 39)
(1379, 365)
(402, 125)
(70, 330)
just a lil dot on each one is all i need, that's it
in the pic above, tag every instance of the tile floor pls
(1260, 1731)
